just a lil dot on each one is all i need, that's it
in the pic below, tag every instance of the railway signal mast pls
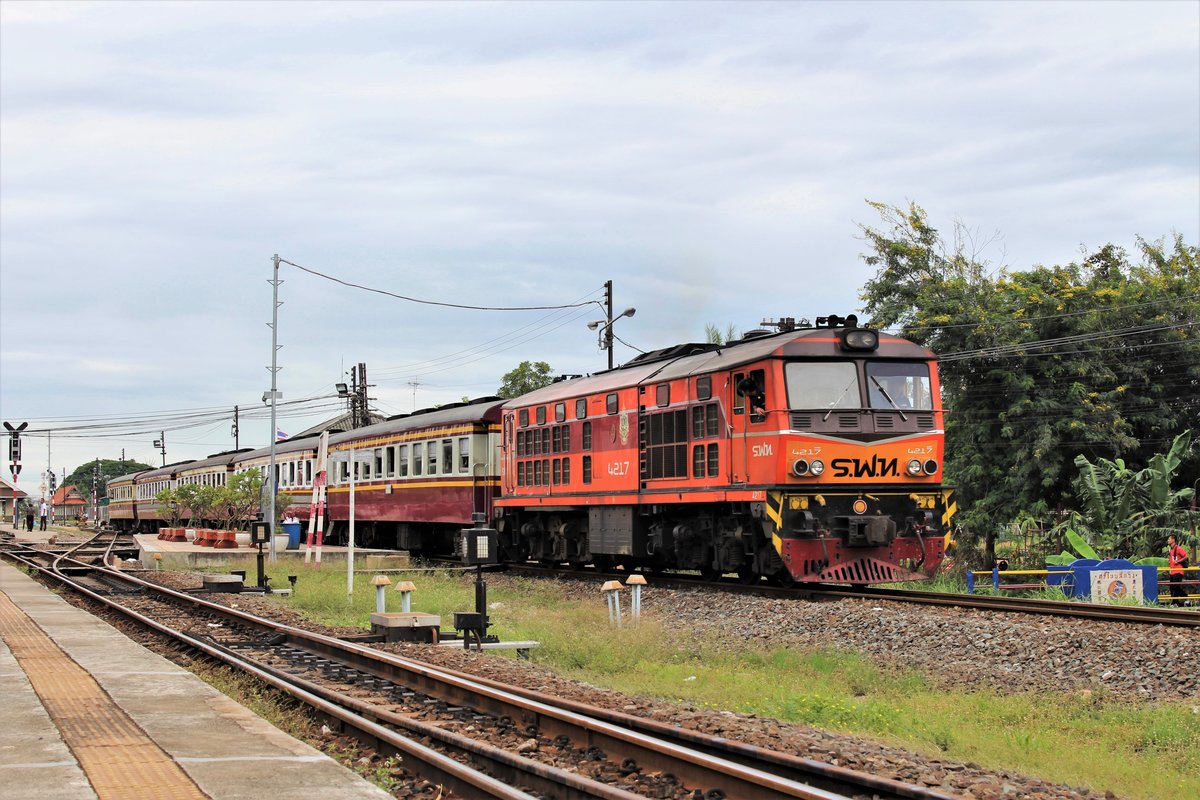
(14, 448)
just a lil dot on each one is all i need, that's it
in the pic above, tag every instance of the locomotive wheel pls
(747, 576)
(784, 578)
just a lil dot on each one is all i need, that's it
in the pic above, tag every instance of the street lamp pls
(605, 336)
(353, 458)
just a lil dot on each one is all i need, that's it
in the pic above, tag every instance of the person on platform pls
(44, 511)
(29, 515)
(1177, 562)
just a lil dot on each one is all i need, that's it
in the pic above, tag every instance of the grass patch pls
(1084, 739)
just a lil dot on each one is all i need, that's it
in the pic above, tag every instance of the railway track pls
(1143, 615)
(476, 737)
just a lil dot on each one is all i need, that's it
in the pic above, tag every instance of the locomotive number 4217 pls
(617, 468)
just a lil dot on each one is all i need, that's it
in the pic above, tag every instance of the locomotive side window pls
(560, 412)
(899, 384)
(541, 415)
(524, 417)
(662, 395)
(587, 469)
(611, 404)
(822, 385)
(587, 436)
(580, 408)
(566, 470)
(713, 460)
(703, 388)
(566, 438)
(557, 472)
(555, 440)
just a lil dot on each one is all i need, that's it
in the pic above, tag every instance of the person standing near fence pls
(1177, 562)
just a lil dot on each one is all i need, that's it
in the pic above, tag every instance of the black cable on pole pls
(432, 302)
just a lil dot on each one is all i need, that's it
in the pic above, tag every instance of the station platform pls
(89, 713)
(186, 555)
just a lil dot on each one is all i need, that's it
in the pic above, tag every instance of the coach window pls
(580, 409)
(662, 394)
(524, 417)
(431, 449)
(560, 412)
(541, 415)
(378, 470)
(703, 388)
(464, 454)
(418, 448)
(611, 404)
(447, 456)
(390, 461)
(403, 456)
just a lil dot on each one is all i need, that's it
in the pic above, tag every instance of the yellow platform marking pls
(119, 759)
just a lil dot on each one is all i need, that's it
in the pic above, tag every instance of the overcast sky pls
(712, 159)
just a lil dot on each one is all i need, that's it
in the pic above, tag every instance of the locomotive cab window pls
(560, 412)
(580, 409)
(823, 385)
(611, 403)
(662, 395)
(703, 388)
(899, 385)
(541, 415)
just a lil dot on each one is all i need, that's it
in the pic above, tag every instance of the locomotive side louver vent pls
(848, 421)
(802, 422)
(925, 422)
(884, 423)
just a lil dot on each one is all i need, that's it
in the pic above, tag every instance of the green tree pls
(714, 335)
(1098, 358)
(171, 507)
(527, 376)
(81, 477)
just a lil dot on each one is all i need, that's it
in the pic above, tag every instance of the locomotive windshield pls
(835, 384)
(899, 384)
(823, 384)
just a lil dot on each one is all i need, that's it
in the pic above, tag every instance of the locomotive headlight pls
(930, 467)
(817, 467)
(800, 467)
(914, 467)
(859, 339)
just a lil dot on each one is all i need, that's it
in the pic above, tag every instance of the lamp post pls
(353, 458)
(605, 325)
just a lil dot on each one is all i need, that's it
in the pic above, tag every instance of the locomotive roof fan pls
(851, 336)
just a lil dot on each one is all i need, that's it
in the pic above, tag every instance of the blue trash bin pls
(292, 529)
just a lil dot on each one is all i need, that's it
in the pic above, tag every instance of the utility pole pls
(236, 430)
(161, 442)
(608, 334)
(274, 396)
(414, 383)
(364, 417)
(95, 480)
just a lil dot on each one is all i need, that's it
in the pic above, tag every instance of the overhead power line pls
(431, 302)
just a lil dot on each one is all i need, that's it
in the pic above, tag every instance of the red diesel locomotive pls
(811, 454)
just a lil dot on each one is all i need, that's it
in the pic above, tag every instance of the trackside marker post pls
(612, 593)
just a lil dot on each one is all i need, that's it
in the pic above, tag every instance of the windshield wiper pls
(883, 391)
(853, 381)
